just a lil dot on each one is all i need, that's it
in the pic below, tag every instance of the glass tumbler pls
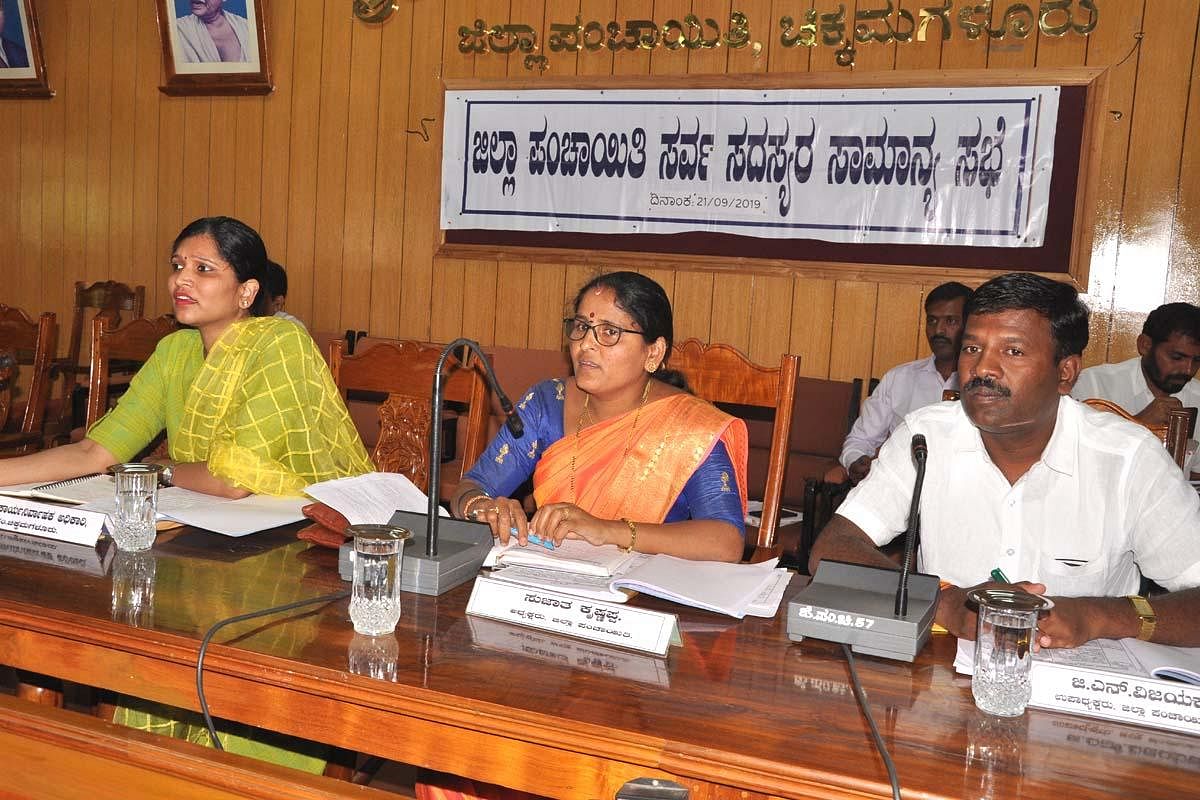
(137, 505)
(1004, 637)
(375, 594)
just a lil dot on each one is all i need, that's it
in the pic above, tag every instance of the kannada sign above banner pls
(963, 166)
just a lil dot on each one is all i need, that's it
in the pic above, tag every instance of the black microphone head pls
(515, 426)
(920, 450)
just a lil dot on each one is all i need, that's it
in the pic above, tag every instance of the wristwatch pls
(167, 476)
(1146, 614)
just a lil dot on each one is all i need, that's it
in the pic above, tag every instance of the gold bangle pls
(632, 534)
(466, 507)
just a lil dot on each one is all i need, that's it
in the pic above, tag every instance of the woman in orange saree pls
(620, 454)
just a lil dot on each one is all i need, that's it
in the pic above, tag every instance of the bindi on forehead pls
(591, 315)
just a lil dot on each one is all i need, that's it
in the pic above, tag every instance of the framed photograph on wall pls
(22, 65)
(214, 47)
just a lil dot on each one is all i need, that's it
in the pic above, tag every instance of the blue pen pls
(535, 539)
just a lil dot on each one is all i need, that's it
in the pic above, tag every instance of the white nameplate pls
(1170, 705)
(581, 617)
(50, 521)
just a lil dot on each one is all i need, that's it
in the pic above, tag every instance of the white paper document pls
(75, 491)
(371, 499)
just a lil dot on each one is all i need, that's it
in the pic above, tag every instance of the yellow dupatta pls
(638, 473)
(265, 415)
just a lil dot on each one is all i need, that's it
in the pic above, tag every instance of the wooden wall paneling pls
(222, 155)
(574, 278)
(53, 266)
(431, 57)
(1183, 274)
(811, 334)
(914, 54)
(73, 93)
(732, 300)
(823, 58)
(562, 63)
(447, 301)
(512, 304)
(663, 60)
(248, 116)
(899, 320)
(390, 161)
(99, 105)
(479, 295)
(148, 253)
(332, 157)
(197, 134)
(121, 150)
(596, 62)
(1063, 51)
(853, 330)
(172, 117)
(491, 65)
(10, 209)
(28, 149)
(873, 56)
(276, 137)
(693, 306)
(1108, 46)
(957, 52)
(716, 60)
(664, 278)
(770, 318)
(537, 14)
(632, 62)
(780, 58)
(1010, 52)
(304, 120)
(1151, 189)
(546, 307)
(742, 59)
(362, 144)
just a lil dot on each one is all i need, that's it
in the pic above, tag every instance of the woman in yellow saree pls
(620, 454)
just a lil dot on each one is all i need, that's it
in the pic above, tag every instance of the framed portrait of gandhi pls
(22, 65)
(214, 47)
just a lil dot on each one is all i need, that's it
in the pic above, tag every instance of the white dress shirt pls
(1104, 500)
(1125, 385)
(902, 391)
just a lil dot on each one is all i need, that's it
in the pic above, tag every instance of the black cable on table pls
(208, 722)
(861, 696)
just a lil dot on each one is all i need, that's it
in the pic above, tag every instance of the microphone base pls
(462, 548)
(855, 605)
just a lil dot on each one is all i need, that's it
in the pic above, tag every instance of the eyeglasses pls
(605, 333)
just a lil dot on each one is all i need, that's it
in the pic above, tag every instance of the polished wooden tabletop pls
(738, 708)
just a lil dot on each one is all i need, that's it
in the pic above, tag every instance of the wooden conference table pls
(738, 711)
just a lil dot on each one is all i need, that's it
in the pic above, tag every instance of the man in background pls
(1161, 377)
(277, 289)
(909, 386)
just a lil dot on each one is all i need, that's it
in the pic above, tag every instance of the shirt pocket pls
(1073, 574)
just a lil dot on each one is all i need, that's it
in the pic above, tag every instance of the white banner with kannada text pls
(938, 166)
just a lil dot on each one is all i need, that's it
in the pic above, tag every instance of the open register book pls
(1125, 680)
(609, 573)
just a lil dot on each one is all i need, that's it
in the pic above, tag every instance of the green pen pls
(998, 575)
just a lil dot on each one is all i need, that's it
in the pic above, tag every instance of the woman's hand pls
(505, 516)
(559, 521)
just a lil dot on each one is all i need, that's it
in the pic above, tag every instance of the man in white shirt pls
(277, 289)
(1162, 376)
(910, 386)
(1063, 499)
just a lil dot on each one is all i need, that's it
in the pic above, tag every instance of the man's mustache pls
(942, 339)
(989, 384)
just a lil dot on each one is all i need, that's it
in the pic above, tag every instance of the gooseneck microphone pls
(920, 452)
(513, 421)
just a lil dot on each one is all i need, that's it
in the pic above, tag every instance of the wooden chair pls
(130, 346)
(720, 374)
(1174, 435)
(403, 371)
(31, 344)
(104, 297)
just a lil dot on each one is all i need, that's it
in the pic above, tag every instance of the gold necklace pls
(583, 414)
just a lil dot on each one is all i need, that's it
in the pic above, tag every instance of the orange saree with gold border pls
(622, 470)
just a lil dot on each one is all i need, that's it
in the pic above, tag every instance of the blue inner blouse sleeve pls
(711, 493)
(508, 462)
